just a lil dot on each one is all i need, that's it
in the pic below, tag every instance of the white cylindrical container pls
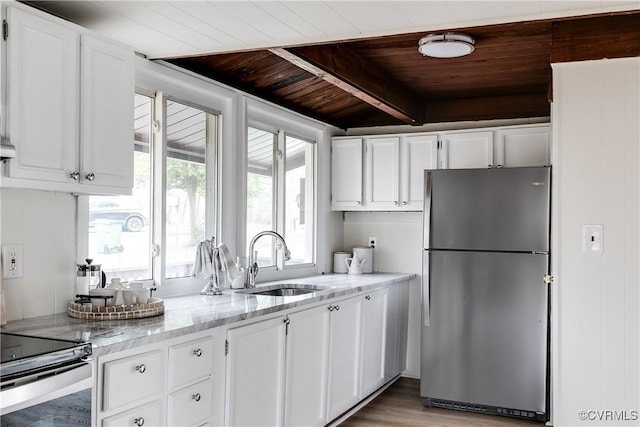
(365, 252)
(339, 264)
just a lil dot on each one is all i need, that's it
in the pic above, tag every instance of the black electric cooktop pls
(23, 354)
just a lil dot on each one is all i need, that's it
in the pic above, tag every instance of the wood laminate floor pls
(400, 405)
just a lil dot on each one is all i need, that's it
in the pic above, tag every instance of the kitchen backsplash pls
(45, 224)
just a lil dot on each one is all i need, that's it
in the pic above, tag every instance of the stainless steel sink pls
(283, 290)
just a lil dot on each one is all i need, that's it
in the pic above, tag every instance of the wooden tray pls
(116, 312)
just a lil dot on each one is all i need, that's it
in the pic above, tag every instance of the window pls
(280, 195)
(139, 237)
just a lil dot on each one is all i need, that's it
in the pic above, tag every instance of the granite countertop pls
(193, 313)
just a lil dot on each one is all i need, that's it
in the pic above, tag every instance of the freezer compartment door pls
(486, 342)
(487, 209)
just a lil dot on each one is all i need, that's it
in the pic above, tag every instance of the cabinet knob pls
(141, 368)
(196, 397)
(395, 203)
(358, 202)
(490, 166)
(139, 421)
(337, 307)
(91, 176)
(74, 175)
(404, 203)
(368, 297)
(197, 352)
(331, 308)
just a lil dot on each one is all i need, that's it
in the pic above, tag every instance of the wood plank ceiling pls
(385, 81)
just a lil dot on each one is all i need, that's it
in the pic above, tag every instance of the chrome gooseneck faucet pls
(252, 268)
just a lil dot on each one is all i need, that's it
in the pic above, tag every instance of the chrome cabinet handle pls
(395, 203)
(367, 297)
(358, 202)
(139, 421)
(404, 203)
(197, 352)
(91, 176)
(141, 368)
(74, 175)
(337, 307)
(196, 397)
(331, 308)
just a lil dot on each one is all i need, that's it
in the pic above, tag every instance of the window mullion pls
(159, 153)
(280, 193)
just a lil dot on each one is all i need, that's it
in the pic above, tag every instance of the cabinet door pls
(526, 146)
(307, 365)
(374, 330)
(346, 173)
(107, 114)
(382, 172)
(467, 150)
(418, 153)
(344, 356)
(43, 97)
(255, 373)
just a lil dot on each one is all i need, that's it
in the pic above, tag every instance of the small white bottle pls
(238, 281)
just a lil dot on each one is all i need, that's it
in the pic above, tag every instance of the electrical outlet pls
(373, 242)
(11, 261)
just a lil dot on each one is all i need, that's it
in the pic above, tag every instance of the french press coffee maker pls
(89, 276)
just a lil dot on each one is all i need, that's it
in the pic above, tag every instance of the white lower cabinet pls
(175, 382)
(145, 415)
(306, 367)
(374, 337)
(255, 374)
(191, 405)
(344, 356)
(132, 379)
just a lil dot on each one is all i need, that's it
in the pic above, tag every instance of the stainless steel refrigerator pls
(484, 296)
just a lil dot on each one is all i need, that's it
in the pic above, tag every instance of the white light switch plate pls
(12, 261)
(592, 238)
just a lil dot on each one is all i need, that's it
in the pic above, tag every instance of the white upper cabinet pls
(467, 150)
(418, 152)
(108, 89)
(70, 106)
(523, 146)
(43, 75)
(382, 172)
(394, 165)
(346, 173)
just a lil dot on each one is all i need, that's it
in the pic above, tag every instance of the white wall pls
(399, 250)
(45, 224)
(596, 125)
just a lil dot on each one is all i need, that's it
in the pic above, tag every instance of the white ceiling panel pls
(426, 14)
(371, 17)
(283, 13)
(185, 28)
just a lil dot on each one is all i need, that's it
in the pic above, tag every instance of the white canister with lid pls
(365, 252)
(339, 264)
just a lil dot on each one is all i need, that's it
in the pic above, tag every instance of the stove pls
(24, 355)
(45, 381)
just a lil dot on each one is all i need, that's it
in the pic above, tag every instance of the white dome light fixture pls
(447, 45)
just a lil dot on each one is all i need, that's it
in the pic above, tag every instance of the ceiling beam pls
(345, 69)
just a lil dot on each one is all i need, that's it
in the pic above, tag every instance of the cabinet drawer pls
(136, 377)
(145, 415)
(190, 406)
(190, 361)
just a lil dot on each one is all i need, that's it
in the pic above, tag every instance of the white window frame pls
(269, 118)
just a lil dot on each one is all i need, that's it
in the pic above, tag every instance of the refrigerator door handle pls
(427, 208)
(426, 297)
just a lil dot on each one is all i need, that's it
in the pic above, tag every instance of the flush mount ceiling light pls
(448, 45)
